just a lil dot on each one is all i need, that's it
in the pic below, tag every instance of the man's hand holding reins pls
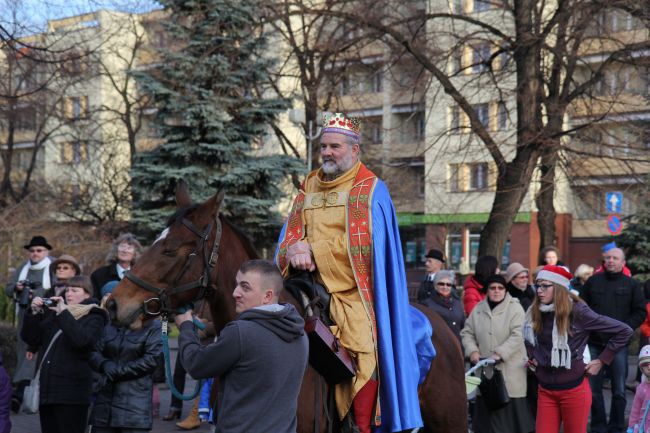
(180, 318)
(300, 256)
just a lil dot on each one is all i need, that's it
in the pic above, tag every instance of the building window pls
(74, 152)
(478, 176)
(481, 5)
(456, 59)
(455, 178)
(480, 57)
(377, 82)
(75, 107)
(420, 126)
(502, 116)
(344, 86)
(373, 131)
(454, 119)
(483, 113)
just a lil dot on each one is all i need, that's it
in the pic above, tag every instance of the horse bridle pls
(162, 295)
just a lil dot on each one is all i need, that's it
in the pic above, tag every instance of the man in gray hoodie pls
(260, 357)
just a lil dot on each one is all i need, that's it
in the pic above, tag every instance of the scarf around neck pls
(40, 266)
(80, 310)
(560, 352)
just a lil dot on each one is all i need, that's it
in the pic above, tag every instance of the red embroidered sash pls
(359, 233)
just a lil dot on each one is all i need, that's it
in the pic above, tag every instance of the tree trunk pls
(512, 186)
(515, 176)
(544, 198)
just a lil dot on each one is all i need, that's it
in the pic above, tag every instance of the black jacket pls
(451, 310)
(525, 297)
(66, 377)
(425, 290)
(101, 276)
(126, 359)
(614, 295)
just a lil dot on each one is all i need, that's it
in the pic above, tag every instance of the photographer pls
(32, 279)
(65, 375)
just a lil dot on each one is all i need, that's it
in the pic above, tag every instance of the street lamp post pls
(297, 117)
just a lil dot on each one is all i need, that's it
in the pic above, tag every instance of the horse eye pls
(170, 253)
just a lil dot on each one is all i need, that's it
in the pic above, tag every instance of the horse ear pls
(183, 198)
(217, 199)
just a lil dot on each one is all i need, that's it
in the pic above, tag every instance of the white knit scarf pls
(45, 281)
(561, 352)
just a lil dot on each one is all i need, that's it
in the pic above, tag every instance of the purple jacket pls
(583, 322)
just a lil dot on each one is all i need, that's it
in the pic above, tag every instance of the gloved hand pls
(109, 368)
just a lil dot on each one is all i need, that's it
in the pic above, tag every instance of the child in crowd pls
(638, 417)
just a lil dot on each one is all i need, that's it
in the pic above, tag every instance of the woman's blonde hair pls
(563, 308)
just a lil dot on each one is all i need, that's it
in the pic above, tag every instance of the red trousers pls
(568, 406)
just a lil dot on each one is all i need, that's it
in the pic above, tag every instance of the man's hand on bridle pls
(184, 317)
(300, 257)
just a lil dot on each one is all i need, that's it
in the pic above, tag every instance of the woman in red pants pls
(556, 331)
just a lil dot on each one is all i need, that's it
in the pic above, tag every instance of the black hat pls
(38, 241)
(496, 278)
(435, 254)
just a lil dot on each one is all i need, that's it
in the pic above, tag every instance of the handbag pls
(493, 388)
(32, 393)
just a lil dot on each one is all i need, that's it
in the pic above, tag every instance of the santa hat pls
(555, 274)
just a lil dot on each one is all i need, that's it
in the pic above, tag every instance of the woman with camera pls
(65, 375)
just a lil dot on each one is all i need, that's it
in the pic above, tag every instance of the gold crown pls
(342, 124)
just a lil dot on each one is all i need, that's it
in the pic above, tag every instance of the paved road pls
(30, 423)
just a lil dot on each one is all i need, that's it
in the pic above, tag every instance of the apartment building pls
(442, 177)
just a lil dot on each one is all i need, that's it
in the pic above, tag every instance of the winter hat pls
(513, 270)
(65, 258)
(108, 287)
(435, 254)
(644, 355)
(609, 246)
(555, 274)
(38, 241)
(496, 278)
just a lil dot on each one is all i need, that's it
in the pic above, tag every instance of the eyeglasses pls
(126, 248)
(444, 284)
(496, 288)
(543, 287)
(63, 268)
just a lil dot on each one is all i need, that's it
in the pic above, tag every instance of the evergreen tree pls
(635, 238)
(211, 118)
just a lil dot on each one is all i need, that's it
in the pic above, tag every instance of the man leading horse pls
(343, 228)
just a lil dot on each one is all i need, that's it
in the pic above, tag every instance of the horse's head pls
(177, 268)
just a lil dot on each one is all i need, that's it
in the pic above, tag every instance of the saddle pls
(326, 355)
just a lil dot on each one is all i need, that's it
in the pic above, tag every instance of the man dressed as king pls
(343, 228)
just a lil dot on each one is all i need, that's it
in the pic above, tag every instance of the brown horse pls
(200, 253)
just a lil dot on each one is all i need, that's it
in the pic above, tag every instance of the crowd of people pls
(551, 336)
(554, 336)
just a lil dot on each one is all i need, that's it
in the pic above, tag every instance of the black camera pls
(49, 302)
(24, 296)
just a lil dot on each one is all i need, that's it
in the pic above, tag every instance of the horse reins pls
(162, 295)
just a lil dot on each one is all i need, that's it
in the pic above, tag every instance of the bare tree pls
(529, 56)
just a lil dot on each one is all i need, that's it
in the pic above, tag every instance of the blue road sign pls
(614, 225)
(614, 201)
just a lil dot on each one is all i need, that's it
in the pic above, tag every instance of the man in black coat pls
(434, 262)
(612, 294)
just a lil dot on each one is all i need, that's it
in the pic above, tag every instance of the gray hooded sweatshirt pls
(261, 358)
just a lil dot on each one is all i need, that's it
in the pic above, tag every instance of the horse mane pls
(246, 240)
